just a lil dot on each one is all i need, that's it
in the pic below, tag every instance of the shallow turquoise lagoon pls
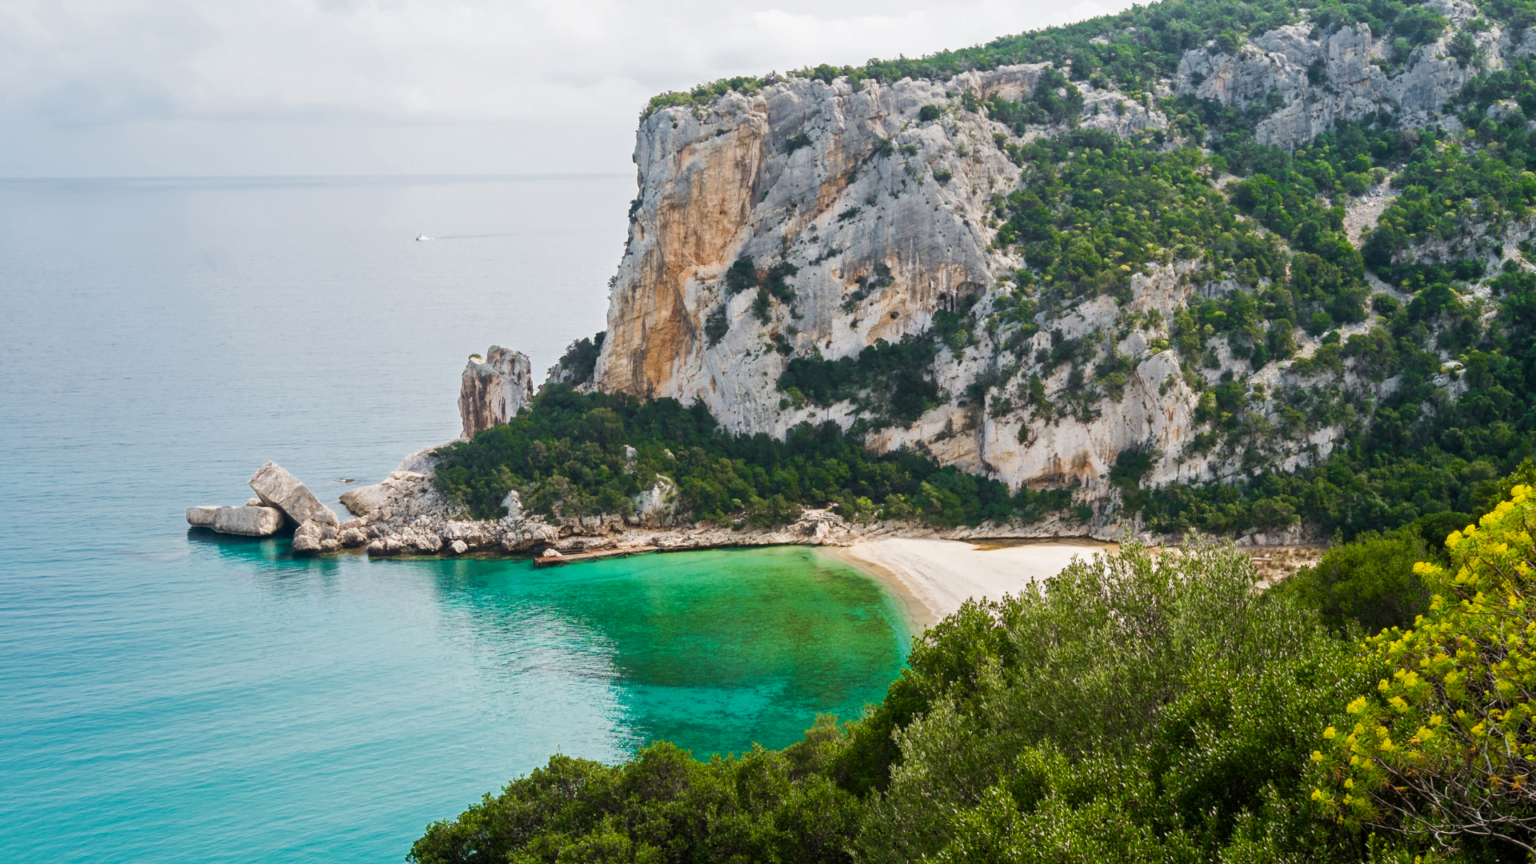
(230, 703)
(171, 696)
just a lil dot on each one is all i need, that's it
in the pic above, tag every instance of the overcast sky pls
(243, 87)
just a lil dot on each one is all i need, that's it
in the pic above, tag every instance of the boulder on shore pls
(315, 536)
(248, 521)
(494, 389)
(277, 488)
(366, 500)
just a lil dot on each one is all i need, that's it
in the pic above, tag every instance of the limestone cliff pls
(885, 213)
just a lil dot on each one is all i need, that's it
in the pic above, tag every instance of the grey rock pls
(494, 389)
(248, 521)
(658, 504)
(1278, 62)
(423, 460)
(203, 516)
(514, 504)
(459, 547)
(366, 501)
(277, 488)
(312, 536)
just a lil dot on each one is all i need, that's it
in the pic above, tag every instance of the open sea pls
(175, 696)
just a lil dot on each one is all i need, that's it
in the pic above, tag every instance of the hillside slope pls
(1129, 264)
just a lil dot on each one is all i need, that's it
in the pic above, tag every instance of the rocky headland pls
(785, 229)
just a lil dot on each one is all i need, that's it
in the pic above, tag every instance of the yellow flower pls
(1317, 755)
(1356, 706)
(1330, 732)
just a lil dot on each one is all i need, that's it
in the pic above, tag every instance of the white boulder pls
(277, 488)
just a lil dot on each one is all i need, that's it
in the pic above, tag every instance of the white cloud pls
(326, 84)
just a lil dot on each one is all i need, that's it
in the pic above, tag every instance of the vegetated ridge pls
(1240, 267)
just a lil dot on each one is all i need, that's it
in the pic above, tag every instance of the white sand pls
(935, 576)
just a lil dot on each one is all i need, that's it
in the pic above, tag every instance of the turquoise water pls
(168, 695)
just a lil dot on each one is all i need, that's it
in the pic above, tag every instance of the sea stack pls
(494, 388)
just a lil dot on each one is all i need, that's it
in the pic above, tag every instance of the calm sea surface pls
(174, 696)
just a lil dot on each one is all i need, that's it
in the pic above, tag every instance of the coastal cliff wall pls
(868, 208)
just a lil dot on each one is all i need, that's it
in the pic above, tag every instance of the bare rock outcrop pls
(494, 389)
(280, 489)
(248, 520)
(366, 500)
(659, 504)
(1322, 78)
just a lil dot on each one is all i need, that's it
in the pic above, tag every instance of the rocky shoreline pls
(405, 515)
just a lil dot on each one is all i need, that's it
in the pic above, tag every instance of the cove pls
(219, 700)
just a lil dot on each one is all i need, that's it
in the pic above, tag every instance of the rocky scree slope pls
(832, 232)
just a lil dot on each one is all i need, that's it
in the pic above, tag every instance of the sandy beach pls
(933, 577)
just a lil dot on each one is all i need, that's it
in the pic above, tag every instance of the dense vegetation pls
(1419, 451)
(1139, 707)
(566, 456)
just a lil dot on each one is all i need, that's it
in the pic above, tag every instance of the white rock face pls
(315, 536)
(365, 500)
(1352, 86)
(494, 389)
(277, 488)
(202, 516)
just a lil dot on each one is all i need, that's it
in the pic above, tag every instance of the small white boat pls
(421, 237)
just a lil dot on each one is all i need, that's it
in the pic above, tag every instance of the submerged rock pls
(494, 389)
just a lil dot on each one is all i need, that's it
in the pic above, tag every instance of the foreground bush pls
(1445, 747)
(1136, 707)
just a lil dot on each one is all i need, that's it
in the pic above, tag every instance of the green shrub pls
(1368, 582)
(716, 326)
(929, 113)
(565, 455)
(579, 362)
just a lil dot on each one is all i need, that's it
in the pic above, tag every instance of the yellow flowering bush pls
(1445, 746)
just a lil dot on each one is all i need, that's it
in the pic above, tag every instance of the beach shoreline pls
(933, 577)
